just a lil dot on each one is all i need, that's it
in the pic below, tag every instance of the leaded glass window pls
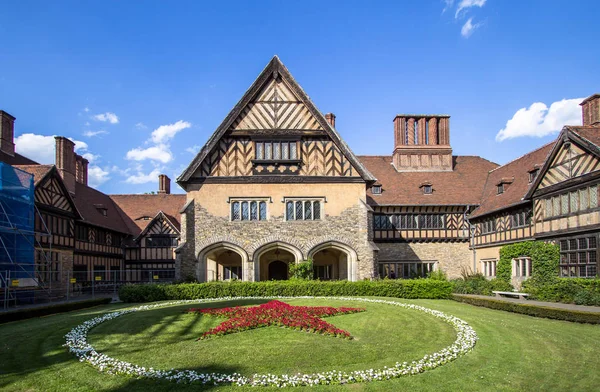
(574, 196)
(276, 150)
(303, 210)
(235, 210)
(248, 210)
(593, 196)
(268, 153)
(263, 210)
(564, 202)
(245, 210)
(578, 257)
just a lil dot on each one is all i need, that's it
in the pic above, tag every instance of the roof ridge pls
(523, 156)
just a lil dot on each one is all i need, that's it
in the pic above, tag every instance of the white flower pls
(76, 342)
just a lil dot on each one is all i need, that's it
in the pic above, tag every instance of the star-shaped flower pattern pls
(277, 313)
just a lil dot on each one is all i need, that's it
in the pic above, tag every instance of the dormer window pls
(427, 188)
(503, 184)
(500, 188)
(101, 209)
(146, 217)
(376, 189)
(533, 174)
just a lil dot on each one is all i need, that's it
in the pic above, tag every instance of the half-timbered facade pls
(275, 185)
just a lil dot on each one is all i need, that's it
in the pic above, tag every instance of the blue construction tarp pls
(17, 231)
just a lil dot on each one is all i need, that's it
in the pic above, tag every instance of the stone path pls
(557, 305)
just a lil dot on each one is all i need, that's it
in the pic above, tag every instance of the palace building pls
(276, 184)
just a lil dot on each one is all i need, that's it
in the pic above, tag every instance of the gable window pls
(303, 209)
(276, 150)
(161, 241)
(572, 202)
(376, 190)
(248, 210)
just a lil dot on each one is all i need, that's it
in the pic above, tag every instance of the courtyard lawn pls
(514, 352)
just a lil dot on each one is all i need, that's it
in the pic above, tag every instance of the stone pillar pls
(422, 128)
(410, 129)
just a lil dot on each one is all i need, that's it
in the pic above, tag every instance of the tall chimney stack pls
(590, 108)
(7, 133)
(164, 184)
(65, 161)
(81, 169)
(84, 171)
(330, 117)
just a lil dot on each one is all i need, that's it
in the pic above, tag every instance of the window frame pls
(303, 200)
(565, 264)
(258, 200)
(379, 190)
(266, 153)
(554, 205)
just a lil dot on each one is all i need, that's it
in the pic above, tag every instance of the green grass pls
(515, 352)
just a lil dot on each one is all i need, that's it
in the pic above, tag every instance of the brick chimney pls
(330, 117)
(81, 169)
(590, 108)
(66, 162)
(7, 133)
(422, 143)
(164, 184)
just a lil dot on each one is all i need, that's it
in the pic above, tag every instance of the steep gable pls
(50, 190)
(160, 225)
(275, 109)
(571, 157)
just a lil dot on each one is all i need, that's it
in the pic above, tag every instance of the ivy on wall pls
(544, 257)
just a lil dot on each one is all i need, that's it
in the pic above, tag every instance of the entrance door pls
(278, 270)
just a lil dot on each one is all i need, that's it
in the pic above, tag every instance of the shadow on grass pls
(34, 348)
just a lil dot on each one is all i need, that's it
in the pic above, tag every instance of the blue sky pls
(142, 85)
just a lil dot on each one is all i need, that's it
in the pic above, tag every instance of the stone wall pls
(452, 257)
(351, 228)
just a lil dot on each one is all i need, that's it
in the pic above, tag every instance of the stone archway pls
(272, 260)
(222, 261)
(334, 260)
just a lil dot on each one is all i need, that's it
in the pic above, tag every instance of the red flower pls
(304, 318)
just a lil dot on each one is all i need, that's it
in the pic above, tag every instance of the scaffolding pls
(17, 234)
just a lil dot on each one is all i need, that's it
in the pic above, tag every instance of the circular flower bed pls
(76, 342)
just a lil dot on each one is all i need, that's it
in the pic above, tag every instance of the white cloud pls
(141, 178)
(194, 149)
(86, 109)
(94, 133)
(167, 132)
(141, 125)
(538, 120)
(465, 4)
(90, 157)
(468, 28)
(448, 5)
(97, 176)
(40, 148)
(104, 117)
(159, 153)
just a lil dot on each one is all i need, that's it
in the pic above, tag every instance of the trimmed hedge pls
(479, 284)
(568, 290)
(418, 288)
(533, 310)
(15, 315)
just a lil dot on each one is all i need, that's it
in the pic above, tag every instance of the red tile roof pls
(17, 159)
(90, 203)
(462, 186)
(134, 207)
(514, 192)
(38, 171)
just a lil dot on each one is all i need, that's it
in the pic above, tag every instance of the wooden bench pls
(510, 294)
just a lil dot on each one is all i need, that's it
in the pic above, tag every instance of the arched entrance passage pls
(334, 261)
(278, 270)
(222, 261)
(271, 261)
